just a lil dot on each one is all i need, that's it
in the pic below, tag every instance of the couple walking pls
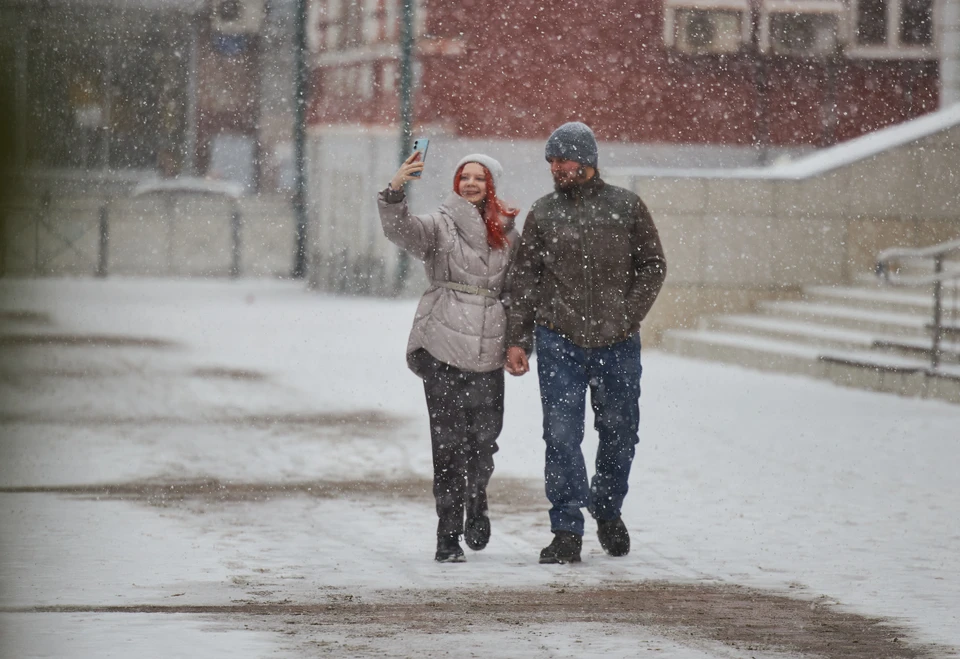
(575, 287)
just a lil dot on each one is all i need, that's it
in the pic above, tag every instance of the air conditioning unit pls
(805, 34)
(708, 31)
(237, 16)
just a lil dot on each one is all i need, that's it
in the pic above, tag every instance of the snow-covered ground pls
(776, 483)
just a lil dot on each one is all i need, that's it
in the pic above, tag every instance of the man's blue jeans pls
(612, 374)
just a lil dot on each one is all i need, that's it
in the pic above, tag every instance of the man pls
(589, 267)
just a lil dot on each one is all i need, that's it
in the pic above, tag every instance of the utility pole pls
(299, 130)
(830, 115)
(189, 167)
(406, 112)
(762, 126)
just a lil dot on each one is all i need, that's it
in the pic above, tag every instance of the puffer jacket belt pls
(466, 288)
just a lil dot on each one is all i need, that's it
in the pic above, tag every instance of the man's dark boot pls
(476, 533)
(448, 550)
(565, 548)
(614, 537)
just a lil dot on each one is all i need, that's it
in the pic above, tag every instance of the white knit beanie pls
(494, 167)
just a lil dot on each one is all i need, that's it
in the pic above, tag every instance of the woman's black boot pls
(448, 550)
(476, 533)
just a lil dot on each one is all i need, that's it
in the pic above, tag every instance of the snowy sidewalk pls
(243, 469)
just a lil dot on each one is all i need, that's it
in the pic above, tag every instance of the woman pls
(457, 341)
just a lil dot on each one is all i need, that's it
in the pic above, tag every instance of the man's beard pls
(563, 183)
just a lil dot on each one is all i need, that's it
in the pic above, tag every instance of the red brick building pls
(728, 72)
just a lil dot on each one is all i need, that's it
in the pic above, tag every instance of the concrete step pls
(871, 337)
(874, 299)
(879, 322)
(871, 281)
(908, 378)
(744, 350)
(886, 298)
(829, 336)
(863, 369)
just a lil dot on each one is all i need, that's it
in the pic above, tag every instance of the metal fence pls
(149, 233)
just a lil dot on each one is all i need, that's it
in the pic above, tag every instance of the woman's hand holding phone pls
(409, 171)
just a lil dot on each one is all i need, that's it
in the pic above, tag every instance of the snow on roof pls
(825, 160)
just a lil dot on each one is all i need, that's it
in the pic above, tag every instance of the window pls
(872, 22)
(804, 29)
(351, 35)
(316, 25)
(894, 28)
(803, 34)
(700, 31)
(352, 25)
(706, 27)
(323, 25)
(916, 23)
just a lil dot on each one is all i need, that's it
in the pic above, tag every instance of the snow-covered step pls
(874, 337)
(949, 350)
(774, 327)
(772, 354)
(881, 322)
(745, 350)
(866, 280)
(862, 369)
(902, 376)
(876, 299)
(827, 336)
(889, 362)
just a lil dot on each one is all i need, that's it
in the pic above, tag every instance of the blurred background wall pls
(105, 95)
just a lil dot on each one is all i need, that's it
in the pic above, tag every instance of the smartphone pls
(420, 144)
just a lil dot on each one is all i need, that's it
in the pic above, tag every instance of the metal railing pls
(937, 255)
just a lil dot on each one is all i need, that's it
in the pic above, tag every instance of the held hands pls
(517, 363)
(406, 172)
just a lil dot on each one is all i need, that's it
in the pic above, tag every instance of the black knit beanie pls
(573, 141)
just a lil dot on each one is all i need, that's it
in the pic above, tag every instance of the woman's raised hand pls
(407, 170)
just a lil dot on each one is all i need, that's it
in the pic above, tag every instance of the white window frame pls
(323, 29)
(316, 25)
(892, 49)
(372, 22)
(392, 28)
(834, 8)
(670, 8)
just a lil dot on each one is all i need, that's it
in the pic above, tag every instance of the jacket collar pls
(469, 223)
(589, 188)
(467, 219)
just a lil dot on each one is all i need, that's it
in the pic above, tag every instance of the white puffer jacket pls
(465, 330)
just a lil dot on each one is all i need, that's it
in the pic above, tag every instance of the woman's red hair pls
(491, 210)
